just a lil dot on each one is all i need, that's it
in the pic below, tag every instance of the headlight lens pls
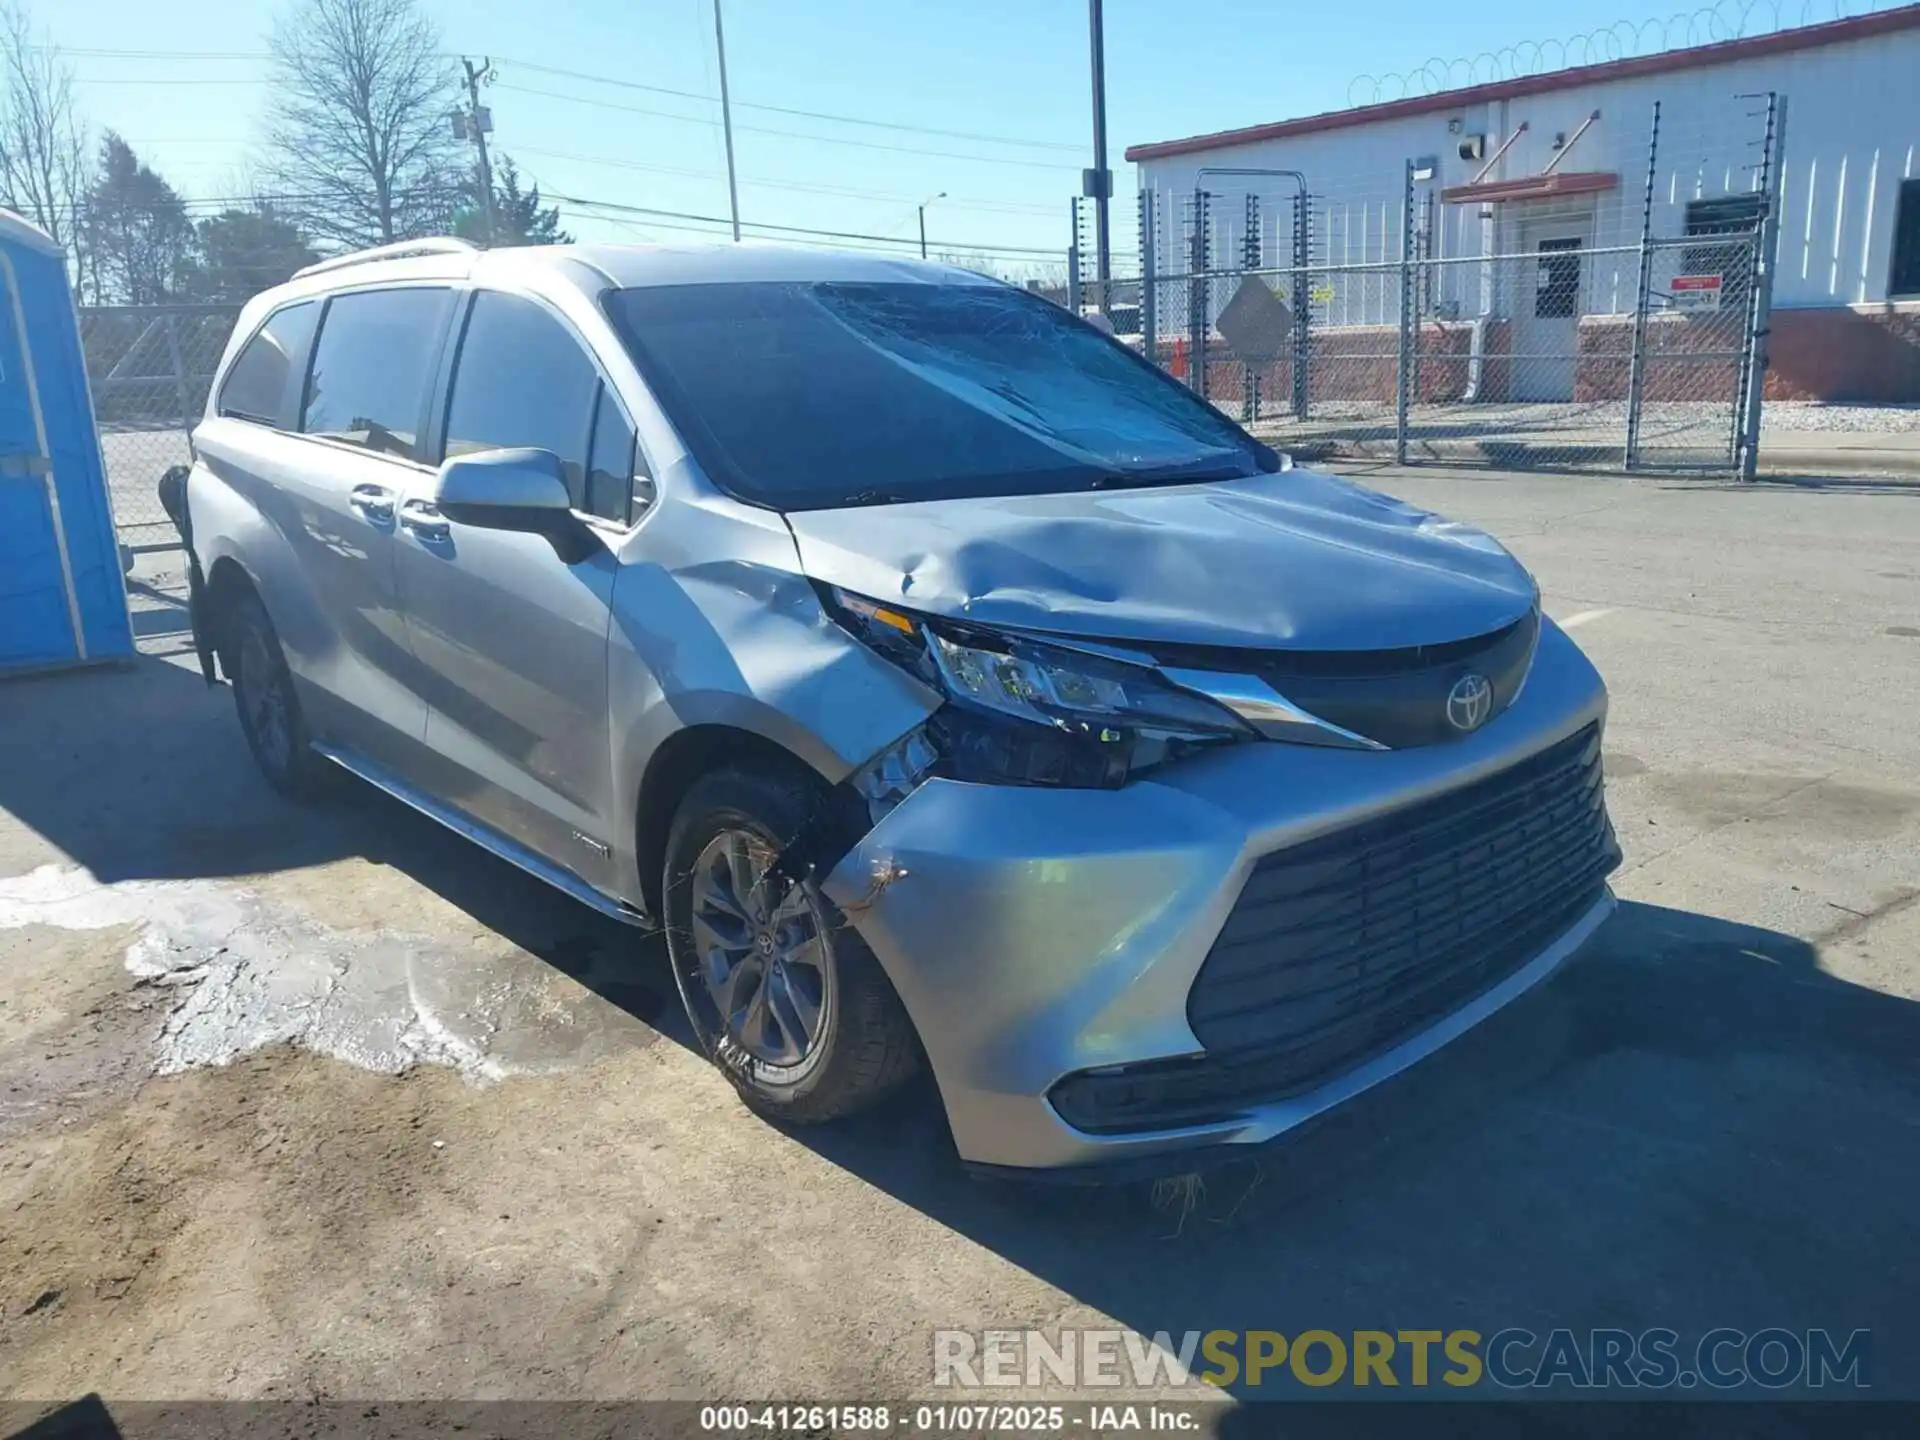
(1027, 712)
(1049, 686)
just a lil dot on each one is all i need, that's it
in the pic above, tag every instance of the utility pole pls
(726, 120)
(1098, 182)
(479, 120)
(923, 220)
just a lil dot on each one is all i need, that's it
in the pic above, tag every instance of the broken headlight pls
(1025, 711)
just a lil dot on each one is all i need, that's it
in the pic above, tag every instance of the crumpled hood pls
(1296, 560)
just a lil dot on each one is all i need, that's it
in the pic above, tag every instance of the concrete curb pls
(1901, 464)
(1529, 455)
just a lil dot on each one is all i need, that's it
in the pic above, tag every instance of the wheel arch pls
(228, 582)
(675, 767)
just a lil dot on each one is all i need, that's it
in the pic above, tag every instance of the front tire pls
(268, 705)
(785, 997)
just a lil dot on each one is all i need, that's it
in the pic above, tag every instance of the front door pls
(1546, 341)
(509, 633)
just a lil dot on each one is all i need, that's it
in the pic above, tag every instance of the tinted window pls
(802, 395)
(257, 387)
(523, 380)
(372, 366)
(616, 490)
(1558, 295)
(1906, 240)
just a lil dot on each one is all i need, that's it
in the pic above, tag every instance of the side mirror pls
(517, 489)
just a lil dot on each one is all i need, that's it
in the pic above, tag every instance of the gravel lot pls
(325, 1103)
(1803, 415)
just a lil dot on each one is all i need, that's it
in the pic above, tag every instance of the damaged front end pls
(1023, 711)
(1017, 712)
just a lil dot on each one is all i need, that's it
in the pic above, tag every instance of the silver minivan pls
(951, 686)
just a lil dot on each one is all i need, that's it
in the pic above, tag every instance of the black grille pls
(1343, 946)
(1397, 697)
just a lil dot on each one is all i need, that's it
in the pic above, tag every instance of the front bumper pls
(1034, 934)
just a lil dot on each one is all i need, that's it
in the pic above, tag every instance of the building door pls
(1546, 339)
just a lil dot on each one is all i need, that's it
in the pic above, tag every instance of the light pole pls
(1099, 181)
(923, 220)
(726, 121)
(478, 121)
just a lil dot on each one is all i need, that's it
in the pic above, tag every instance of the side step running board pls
(484, 836)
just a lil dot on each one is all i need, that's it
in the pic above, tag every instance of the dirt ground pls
(327, 1104)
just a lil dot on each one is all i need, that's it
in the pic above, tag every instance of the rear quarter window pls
(263, 383)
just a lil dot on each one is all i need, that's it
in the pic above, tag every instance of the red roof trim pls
(1532, 187)
(1806, 37)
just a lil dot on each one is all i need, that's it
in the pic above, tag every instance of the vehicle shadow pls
(141, 774)
(84, 1419)
(1694, 1125)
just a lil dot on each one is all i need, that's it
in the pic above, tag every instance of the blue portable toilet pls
(63, 598)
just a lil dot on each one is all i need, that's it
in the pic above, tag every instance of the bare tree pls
(44, 161)
(359, 128)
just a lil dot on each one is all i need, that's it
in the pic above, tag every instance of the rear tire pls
(785, 997)
(268, 705)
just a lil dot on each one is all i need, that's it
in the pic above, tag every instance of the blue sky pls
(995, 68)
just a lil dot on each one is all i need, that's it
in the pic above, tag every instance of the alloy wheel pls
(761, 957)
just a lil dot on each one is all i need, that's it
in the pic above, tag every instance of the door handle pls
(423, 520)
(373, 501)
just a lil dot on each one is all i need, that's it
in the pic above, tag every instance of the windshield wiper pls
(1166, 475)
(873, 497)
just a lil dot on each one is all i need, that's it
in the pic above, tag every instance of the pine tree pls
(518, 216)
(138, 233)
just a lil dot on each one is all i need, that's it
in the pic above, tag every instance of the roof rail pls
(400, 249)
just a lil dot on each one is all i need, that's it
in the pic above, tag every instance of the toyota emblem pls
(1469, 703)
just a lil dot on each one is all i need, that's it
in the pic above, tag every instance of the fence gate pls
(1694, 345)
(150, 367)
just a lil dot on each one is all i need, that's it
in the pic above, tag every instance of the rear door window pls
(523, 379)
(264, 377)
(372, 366)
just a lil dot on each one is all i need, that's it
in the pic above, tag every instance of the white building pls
(1559, 162)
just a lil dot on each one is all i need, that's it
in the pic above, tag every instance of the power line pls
(785, 134)
(656, 217)
(641, 231)
(90, 52)
(989, 206)
(647, 211)
(158, 80)
(98, 53)
(803, 114)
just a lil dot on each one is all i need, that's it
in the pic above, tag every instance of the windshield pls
(813, 395)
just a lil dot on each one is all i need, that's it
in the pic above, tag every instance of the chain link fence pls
(1415, 325)
(1553, 357)
(150, 367)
